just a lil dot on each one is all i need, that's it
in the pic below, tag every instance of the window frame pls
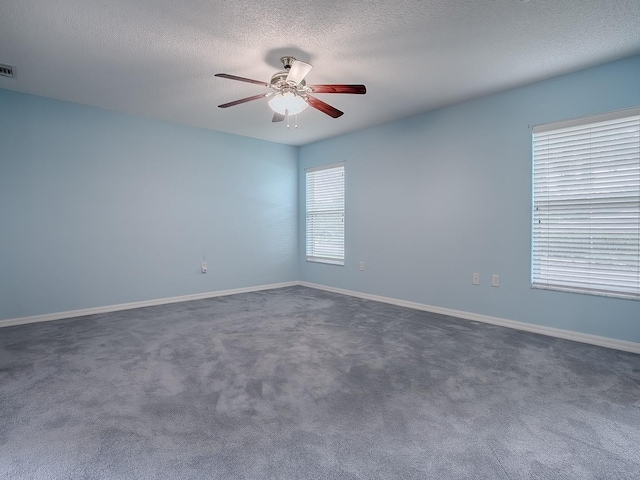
(583, 203)
(321, 254)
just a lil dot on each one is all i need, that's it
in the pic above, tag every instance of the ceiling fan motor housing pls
(279, 82)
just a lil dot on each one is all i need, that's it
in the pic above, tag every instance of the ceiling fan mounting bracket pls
(287, 62)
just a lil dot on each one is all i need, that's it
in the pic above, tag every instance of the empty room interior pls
(320, 240)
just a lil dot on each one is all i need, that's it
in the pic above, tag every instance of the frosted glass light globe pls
(288, 101)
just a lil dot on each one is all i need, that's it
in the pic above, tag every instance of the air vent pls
(6, 70)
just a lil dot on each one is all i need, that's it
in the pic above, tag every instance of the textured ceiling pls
(157, 58)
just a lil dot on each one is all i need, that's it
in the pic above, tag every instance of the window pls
(586, 205)
(325, 214)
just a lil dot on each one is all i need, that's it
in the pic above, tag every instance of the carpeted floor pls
(304, 384)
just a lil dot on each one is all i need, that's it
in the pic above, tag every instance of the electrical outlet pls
(361, 266)
(475, 278)
(203, 267)
(495, 280)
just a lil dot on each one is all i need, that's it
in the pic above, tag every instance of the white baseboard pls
(623, 345)
(147, 303)
(607, 342)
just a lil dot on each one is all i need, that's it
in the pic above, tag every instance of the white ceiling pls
(157, 58)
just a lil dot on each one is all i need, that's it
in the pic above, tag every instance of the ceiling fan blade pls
(241, 79)
(243, 100)
(298, 71)
(323, 107)
(277, 117)
(359, 89)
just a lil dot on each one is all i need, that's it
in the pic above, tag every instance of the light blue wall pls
(433, 198)
(99, 208)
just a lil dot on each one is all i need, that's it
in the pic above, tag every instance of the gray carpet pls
(304, 384)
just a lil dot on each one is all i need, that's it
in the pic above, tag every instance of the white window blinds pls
(325, 214)
(586, 205)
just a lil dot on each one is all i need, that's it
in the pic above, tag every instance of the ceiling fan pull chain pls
(296, 125)
(286, 114)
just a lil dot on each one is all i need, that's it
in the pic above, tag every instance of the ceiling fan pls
(291, 95)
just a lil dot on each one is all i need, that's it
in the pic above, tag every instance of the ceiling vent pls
(6, 70)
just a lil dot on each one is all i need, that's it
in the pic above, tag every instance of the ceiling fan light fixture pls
(290, 95)
(288, 101)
